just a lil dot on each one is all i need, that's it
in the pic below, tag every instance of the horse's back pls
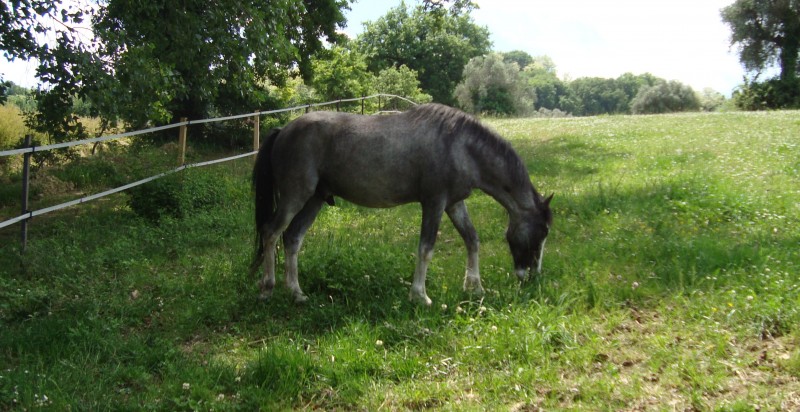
(376, 161)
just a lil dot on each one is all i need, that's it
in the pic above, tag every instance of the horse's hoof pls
(420, 299)
(264, 296)
(473, 286)
(300, 298)
(522, 275)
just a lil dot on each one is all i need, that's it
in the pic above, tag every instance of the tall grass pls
(670, 282)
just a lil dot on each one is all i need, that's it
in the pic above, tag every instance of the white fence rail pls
(33, 149)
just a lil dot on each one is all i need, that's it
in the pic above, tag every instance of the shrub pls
(12, 126)
(180, 194)
(771, 94)
(665, 97)
(494, 87)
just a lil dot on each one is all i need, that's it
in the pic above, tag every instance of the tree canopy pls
(437, 44)
(494, 86)
(767, 33)
(665, 97)
(159, 60)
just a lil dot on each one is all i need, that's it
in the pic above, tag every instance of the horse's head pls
(526, 237)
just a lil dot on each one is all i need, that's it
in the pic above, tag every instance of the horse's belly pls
(375, 200)
(369, 193)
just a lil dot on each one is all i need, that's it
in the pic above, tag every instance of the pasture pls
(671, 281)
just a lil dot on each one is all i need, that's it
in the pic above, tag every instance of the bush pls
(177, 195)
(771, 94)
(665, 97)
(12, 126)
(494, 87)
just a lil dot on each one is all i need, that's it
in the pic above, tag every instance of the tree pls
(543, 79)
(767, 32)
(341, 74)
(711, 100)
(400, 81)
(665, 97)
(437, 44)
(160, 60)
(494, 86)
(591, 96)
(521, 58)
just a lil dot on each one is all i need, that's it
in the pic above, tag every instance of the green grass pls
(670, 282)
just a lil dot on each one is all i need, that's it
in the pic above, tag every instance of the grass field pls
(670, 282)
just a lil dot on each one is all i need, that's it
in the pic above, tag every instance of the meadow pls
(670, 282)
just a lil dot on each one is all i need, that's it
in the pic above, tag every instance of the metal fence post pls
(26, 177)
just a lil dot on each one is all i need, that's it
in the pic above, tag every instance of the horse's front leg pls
(460, 218)
(431, 217)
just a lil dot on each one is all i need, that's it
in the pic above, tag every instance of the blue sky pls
(682, 40)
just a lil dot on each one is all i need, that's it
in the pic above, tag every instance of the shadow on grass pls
(563, 157)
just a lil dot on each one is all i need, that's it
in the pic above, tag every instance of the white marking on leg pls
(472, 278)
(417, 293)
(541, 255)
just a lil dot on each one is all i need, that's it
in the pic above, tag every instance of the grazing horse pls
(431, 154)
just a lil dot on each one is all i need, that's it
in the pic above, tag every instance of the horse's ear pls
(548, 199)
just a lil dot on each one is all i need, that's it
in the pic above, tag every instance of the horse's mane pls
(455, 124)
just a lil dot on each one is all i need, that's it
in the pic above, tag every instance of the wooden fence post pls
(362, 103)
(256, 132)
(26, 177)
(182, 143)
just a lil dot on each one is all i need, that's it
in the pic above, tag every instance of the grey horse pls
(432, 154)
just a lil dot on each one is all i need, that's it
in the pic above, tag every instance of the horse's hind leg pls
(460, 218)
(293, 240)
(271, 233)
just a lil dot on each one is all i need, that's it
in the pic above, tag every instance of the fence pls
(182, 136)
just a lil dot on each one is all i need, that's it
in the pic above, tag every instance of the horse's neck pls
(498, 182)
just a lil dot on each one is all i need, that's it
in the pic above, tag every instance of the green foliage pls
(341, 74)
(521, 58)
(178, 195)
(711, 100)
(400, 81)
(665, 97)
(437, 44)
(12, 126)
(159, 61)
(494, 87)
(590, 96)
(770, 94)
(767, 32)
(542, 78)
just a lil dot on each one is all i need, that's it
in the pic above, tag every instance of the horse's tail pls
(265, 195)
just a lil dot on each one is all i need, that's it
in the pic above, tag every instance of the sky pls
(682, 40)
